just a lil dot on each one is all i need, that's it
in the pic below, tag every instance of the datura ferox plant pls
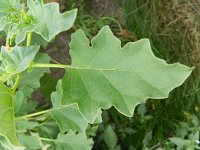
(102, 74)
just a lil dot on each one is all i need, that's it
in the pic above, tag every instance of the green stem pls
(45, 139)
(29, 38)
(38, 65)
(7, 38)
(16, 83)
(7, 42)
(33, 114)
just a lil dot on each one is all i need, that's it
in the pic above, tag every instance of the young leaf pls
(19, 58)
(16, 60)
(7, 122)
(68, 117)
(9, 6)
(110, 138)
(47, 20)
(105, 74)
(72, 141)
(4, 20)
(22, 105)
(24, 125)
(30, 142)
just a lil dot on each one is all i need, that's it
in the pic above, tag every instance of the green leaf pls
(4, 20)
(72, 141)
(48, 129)
(7, 122)
(9, 6)
(22, 103)
(110, 138)
(24, 125)
(68, 117)
(181, 143)
(48, 85)
(32, 79)
(6, 145)
(105, 74)
(16, 60)
(48, 21)
(19, 58)
(30, 142)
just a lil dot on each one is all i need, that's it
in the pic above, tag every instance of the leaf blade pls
(7, 123)
(105, 74)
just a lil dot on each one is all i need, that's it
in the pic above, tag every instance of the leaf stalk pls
(33, 114)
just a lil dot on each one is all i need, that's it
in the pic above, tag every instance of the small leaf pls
(48, 21)
(9, 6)
(24, 125)
(105, 74)
(16, 60)
(110, 138)
(5, 19)
(7, 122)
(30, 142)
(22, 104)
(72, 141)
(180, 143)
(19, 58)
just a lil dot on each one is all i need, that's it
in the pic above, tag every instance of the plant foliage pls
(102, 74)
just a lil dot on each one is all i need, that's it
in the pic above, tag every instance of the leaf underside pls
(105, 74)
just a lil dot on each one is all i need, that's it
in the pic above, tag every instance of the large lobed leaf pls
(105, 74)
(7, 122)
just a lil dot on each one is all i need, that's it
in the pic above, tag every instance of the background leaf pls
(22, 103)
(30, 142)
(72, 141)
(9, 6)
(105, 75)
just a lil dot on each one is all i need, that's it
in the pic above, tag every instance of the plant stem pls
(33, 114)
(38, 65)
(16, 83)
(45, 139)
(7, 38)
(29, 38)
(7, 42)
